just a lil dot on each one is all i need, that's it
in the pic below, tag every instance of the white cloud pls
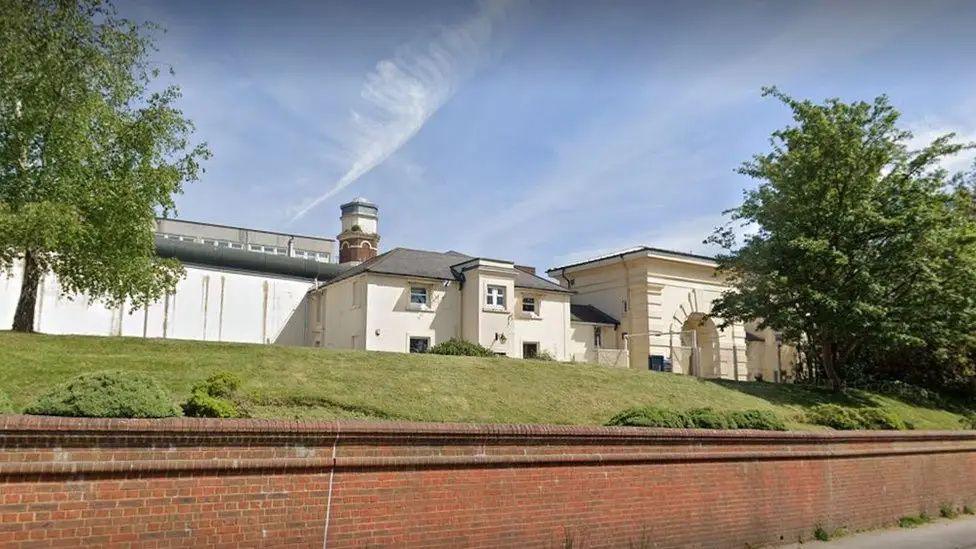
(403, 92)
(926, 130)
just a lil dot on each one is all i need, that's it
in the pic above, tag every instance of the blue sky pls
(542, 132)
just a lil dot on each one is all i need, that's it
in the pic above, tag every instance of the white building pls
(644, 308)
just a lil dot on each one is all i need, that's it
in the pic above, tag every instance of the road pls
(959, 533)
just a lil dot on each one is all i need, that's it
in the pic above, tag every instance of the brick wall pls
(184, 482)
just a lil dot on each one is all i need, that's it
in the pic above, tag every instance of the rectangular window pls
(355, 294)
(235, 246)
(597, 337)
(495, 297)
(419, 344)
(418, 296)
(530, 350)
(529, 305)
(210, 242)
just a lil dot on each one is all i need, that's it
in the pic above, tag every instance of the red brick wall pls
(186, 482)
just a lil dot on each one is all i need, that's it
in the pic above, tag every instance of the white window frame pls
(495, 297)
(425, 306)
(536, 303)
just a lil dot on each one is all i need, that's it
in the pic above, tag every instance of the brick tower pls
(359, 239)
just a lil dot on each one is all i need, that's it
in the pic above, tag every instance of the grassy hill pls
(302, 383)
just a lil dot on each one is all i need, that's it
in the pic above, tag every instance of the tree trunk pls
(24, 316)
(829, 358)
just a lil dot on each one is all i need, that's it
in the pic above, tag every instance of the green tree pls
(856, 244)
(90, 153)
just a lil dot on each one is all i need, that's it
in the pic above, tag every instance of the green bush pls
(544, 355)
(459, 347)
(106, 394)
(969, 420)
(762, 420)
(835, 417)
(649, 416)
(6, 407)
(881, 419)
(217, 396)
(707, 418)
(850, 419)
(699, 418)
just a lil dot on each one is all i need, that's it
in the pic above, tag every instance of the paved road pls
(959, 533)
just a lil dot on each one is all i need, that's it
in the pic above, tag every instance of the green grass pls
(304, 383)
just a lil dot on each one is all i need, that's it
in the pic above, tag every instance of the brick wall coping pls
(223, 428)
(64, 446)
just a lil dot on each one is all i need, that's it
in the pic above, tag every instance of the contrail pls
(403, 92)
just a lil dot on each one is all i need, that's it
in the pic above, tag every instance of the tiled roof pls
(437, 265)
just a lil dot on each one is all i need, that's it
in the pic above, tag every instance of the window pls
(597, 337)
(495, 297)
(529, 305)
(223, 243)
(419, 344)
(321, 257)
(530, 350)
(356, 288)
(270, 250)
(419, 297)
(625, 305)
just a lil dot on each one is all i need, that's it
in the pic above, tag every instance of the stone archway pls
(700, 334)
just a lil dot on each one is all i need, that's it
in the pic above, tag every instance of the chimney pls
(359, 239)
(526, 269)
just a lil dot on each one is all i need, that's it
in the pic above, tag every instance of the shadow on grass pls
(798, 395)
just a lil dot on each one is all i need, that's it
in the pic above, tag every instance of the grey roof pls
(589, 313)
(194, 253)
(634, 250)
(436, 265)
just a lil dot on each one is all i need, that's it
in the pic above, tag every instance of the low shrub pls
(544, 355)
(106, 394)
(820, 534)
(698, 418)
(850, 419)
(6, 407)
(707, 418)
(763, 420)
(881, 419)
(217, 396)
(835, 417)
(967, 510)
(969, 420)
(649, 416)
(459, 347)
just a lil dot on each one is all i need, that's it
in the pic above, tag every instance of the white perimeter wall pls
(208, 304)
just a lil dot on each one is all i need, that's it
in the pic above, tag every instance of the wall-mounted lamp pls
(377, 332)
(500, 338)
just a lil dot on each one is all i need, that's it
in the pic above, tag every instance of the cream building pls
(644, 308)
(664, 302)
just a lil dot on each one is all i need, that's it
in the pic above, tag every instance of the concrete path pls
(958, 533)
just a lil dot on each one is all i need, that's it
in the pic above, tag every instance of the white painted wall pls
(343, 314)
(550, 329)
(391, 321)
(208, 304)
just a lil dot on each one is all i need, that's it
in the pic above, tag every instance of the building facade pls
(644, 308)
